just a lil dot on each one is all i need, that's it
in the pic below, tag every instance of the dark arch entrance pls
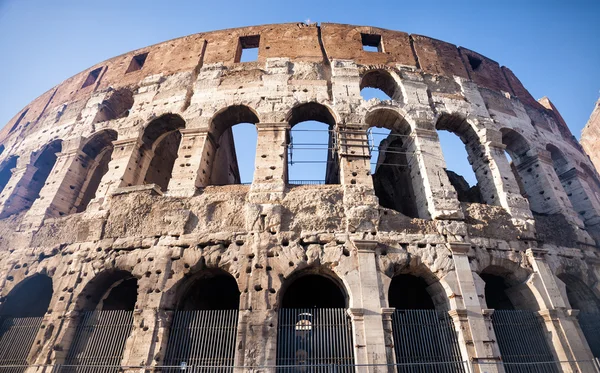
(314, 331)
(21, 317)
(521, 335)
(6, 171)
(105, 322)
(582, 298)
(424, 338)
(204, 326)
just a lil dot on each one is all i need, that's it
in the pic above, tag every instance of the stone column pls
(270, 165)
(14, 196)
(477, 331)
(563, 329)
(124, 169)
(355, 158)
(583, 200)
(369, 336)
(434, 193)
(193, 165)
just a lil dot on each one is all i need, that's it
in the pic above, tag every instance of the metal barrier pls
(306, 182)
(99, 342)
(314, 340)
(16, 338)
(425, 337)
(202, 339)
(522, 341)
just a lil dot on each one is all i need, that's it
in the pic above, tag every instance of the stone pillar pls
(193, 165)
(14, 196)
(270, 165)
(563, 329)
(500, 174)
(355, 158)
(124, 169)
(477, 331)
(369, 336)
(583, 200)
(434, 193)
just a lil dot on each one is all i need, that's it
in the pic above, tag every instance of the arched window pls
(582, 298)
(392, 163)
(21, 317)
(159, 150)
(116, 105)
(379, 84)
(465, 169)
(6, 170)
(514, 314)
(97, 153)
(421, 334)
(204, 327)
(29, 187)
(105, 321)
(313, 327)
(312, 148)
(234, 132)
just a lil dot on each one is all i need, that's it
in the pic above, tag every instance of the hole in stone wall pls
(408, 292)
(311, 150)
(117, 104)
(313, 291)
(121, 297)
(30, 298)
(6, 171)
(371, 42)
(475, 62)
(137, 62)
(248, 49)
(92, 77)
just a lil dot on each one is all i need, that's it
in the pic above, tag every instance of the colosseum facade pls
(128, 243)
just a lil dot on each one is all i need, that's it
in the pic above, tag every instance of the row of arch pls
(395, 175)
(216, 289)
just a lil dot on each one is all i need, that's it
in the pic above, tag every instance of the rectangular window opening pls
(371, 42)
(92, 77)
(248, 49)
(137, 62)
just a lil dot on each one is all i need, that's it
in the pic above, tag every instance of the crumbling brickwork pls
(119, 190)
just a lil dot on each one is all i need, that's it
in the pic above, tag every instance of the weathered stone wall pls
(194, 89)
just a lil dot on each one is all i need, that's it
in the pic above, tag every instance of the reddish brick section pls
(562, 125)
(438, 57)
(487, 72)
(344, 42)
(519, 90)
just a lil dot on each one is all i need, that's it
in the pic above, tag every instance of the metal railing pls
(425, 337)
(314, 340)
(16, 338)
(306, 182)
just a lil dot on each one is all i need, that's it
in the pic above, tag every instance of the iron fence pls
(522, 341)
(306, 182)
(16, 338)
(202, 340)
(425, 337)
(314, 340)
(99, 342)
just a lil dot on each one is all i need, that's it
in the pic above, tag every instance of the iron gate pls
(425, 341)
(202, 340)
(314, 340)
(99, 342)
(590, 325)
(521, 340)
(16, 338)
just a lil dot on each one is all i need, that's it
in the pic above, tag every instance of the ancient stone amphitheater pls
(128, 243)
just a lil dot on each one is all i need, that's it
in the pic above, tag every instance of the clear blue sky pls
(552, 46)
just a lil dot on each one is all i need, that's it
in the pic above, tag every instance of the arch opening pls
(312, 145)
(464, 157)
(6, 171)
(313, 326)
(95, 157)
(117, 104)
(495, 292)
(408, 292)
(379, 84)
(582, 298)
(161, 141)
(21, 317)
(107, 302)
(204, 327)
(235, 134)
(518, 155)
(392, 165)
